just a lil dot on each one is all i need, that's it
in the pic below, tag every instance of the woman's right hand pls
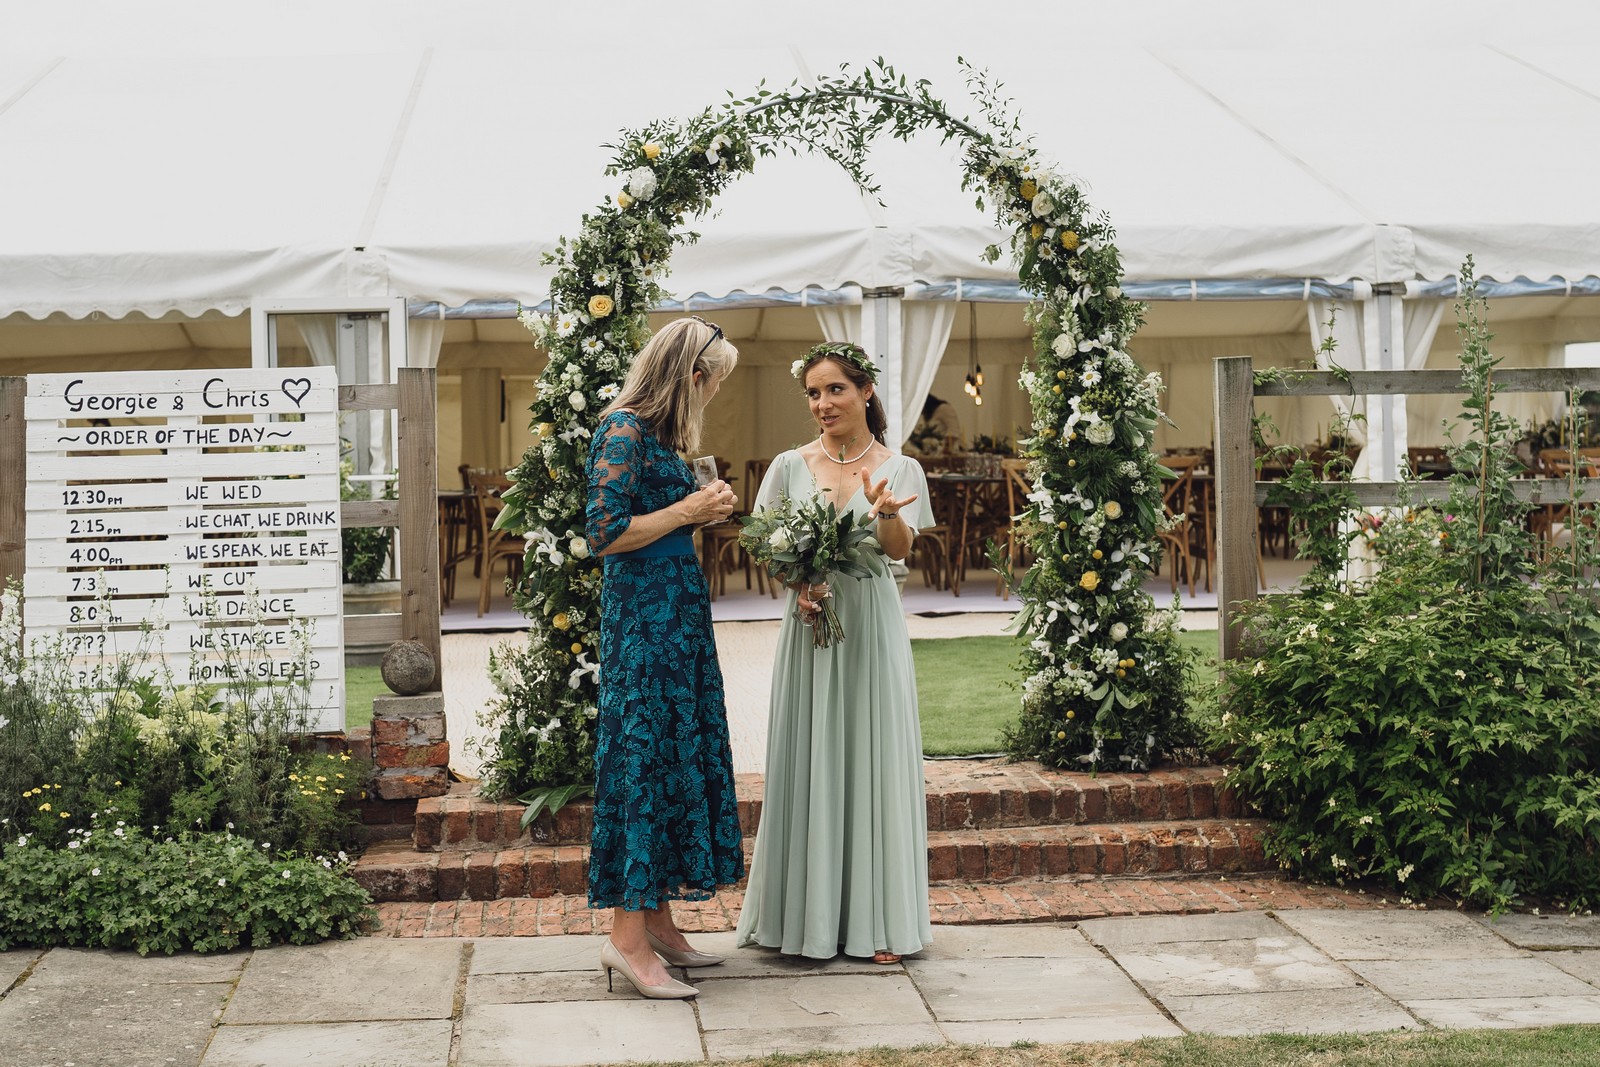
(713, 503)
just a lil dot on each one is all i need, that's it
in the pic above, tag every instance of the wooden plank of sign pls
(101, 496)
(13, 432)
(44, 438)
(180, 581)
(315, 546)
(184, 635)
(145, 394)
(285, 519)
(50, 611)
(200, 465)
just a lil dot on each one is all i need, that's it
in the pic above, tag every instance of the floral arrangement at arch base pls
(1105, 686)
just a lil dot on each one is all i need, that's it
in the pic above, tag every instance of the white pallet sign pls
(189, 519)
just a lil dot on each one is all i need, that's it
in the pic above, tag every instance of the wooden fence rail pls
(1239, 493)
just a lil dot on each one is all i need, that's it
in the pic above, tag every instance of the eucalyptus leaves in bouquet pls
(810, 542)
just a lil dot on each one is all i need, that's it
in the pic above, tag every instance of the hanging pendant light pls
(974, 382)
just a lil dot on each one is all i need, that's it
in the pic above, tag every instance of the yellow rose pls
(1089, 581)
(546, 429)
(600, 305)
(576, 648)
(561, 621)
(1113, 510)
(1069, 240)
(624, 200)
(1036, 231)
(650, 149)
(1029, 189)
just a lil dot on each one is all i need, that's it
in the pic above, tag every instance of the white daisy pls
(592, 346)
(566, 324)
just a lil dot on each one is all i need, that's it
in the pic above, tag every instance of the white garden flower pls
(781, 539)
(286, 874)
(796, 367)
(1090, 377)
(603, 278)
(592, 346)
(642, 183)
(95, 872)
(1043, 204)
(578, 548)
(566, 324)
(577, 401)
(610, 391)
(1119, 631)
(1099, 433)
(718, 143)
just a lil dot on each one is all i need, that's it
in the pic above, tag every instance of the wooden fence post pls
(419, 512)
(1235, 469)
(13, 478)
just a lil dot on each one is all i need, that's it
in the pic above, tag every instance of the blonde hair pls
(660, 386)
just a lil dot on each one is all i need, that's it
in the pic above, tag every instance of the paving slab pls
(336, 982)
(1507, 1012)
(1547, 931)
(754, 962)
(94, 1007)
(1410, 980)
(979, 990)
(14, 965)
(736, 1044)
(545, 987)
(828, 1000)
(567, 1035)
(1398, 935)
(1297, 1011)
(1153, 929)
(558, 952)
(1582, 963)
(402, 1043)
(1030, 941)
(1002, 1032)
(1247, 965)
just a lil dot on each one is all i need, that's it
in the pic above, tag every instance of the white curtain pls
(1358, 327)
(423, 338)
(924, 336)
(322, 334)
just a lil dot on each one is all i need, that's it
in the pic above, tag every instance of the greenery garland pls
(1105, 686)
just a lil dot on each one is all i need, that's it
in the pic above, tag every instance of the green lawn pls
(968, 688)
(361, 684)
(1557, 1046)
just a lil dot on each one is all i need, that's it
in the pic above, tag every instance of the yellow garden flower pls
(45, 806)
(1113, 510)
(1061, 374)
(560, 621)
(1097, 554)
(650, 149)
(623, 200)
(1071, 715)
(1069, 240)
(600, 305)
(66, 814)
(1090, 581)
(1061, 735)
(1029, 188)
(576, 648)
(1036, 231)
(1056, 389)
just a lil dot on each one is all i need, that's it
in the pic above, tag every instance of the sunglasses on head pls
(716, 332)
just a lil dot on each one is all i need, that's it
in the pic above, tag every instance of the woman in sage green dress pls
(841, 856)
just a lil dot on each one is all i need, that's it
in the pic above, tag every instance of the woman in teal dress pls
(666, 822)
(841, 859)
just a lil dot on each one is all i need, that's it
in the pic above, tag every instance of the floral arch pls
(1105, 678)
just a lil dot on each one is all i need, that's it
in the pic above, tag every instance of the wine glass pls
(704, 469)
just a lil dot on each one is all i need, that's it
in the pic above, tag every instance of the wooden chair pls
(1177, 500)
(1017, 490)
(484, 488)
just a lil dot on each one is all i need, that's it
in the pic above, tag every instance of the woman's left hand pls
(879, 496)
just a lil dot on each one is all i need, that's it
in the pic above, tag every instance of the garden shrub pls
(1433, 729)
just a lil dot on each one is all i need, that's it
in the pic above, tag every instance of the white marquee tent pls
(169, 165)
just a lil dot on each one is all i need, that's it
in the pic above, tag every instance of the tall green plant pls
(1433, 729)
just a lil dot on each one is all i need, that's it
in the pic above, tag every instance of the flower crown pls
(851, 354)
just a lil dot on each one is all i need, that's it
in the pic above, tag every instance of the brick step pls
(961, 795)
(391, 871)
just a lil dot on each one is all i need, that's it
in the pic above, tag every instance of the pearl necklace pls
(844, 462)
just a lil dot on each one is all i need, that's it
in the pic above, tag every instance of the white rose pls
(1042, 204)
(1063, 345)
(780, 539)
(796, 367)
(1099, 433)
(1119, 631)
(1113, 292)
(642, 183)
(579, 548)
(577, 401)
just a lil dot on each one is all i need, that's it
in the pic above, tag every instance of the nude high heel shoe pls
(678, 957)
(611, 959)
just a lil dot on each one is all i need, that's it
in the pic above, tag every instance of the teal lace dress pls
(666, 822)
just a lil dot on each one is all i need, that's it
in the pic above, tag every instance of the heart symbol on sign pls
(296, 389)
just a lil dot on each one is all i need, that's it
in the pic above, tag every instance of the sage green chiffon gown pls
(841, 857)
